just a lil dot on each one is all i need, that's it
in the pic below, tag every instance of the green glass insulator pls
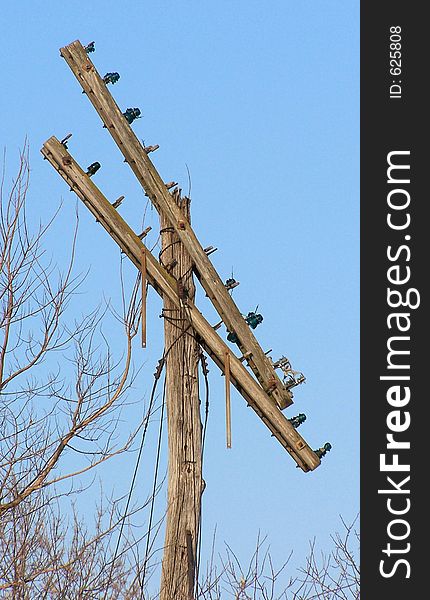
(297, 420)
(323, 451)
(93, 168)
(232, 337)
(111, 78)
(254, 319)
(131, 114)
(90, 47)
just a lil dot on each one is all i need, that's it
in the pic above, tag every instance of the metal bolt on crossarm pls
(65, 140)
(118, 202)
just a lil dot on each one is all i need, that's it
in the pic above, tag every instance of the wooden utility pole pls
(183, 420)
(171, 277)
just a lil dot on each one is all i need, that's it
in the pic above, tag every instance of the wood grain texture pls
(184, 425)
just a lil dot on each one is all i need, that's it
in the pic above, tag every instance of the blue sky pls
(261, 102)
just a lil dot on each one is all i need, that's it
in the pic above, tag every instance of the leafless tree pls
(334, 575)
(61, 393)
(45, 555)
(331, 576)
(258, 579)
(43, 415)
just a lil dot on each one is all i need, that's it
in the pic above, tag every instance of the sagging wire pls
(205, 372)
(154, 488)
(163, 250)
(157, 376)
(142, 578)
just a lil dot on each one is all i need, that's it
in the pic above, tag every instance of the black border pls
(389, 124)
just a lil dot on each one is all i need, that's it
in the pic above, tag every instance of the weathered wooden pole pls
(181, 254)
(184, 424)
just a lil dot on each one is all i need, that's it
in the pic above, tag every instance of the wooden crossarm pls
(164, 283)
(137, 158)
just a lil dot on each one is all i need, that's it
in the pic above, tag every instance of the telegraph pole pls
(183, 422)
(252, 373)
